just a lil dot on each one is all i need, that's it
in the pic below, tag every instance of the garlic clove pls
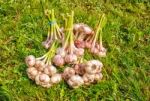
(30, 60)
(56, 78)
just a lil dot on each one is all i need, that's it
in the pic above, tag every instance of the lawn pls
(126, 72)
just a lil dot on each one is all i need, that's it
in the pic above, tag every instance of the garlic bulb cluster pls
(85, 73)
(66, 48)
(43, 74)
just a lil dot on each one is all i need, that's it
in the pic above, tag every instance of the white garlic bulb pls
(50, 70)
(56, 78)
(43, 80)
(93, 66)
(32, 72)
(75, 81)
(30, 60)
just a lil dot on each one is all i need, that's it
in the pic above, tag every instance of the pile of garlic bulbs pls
(66, 49)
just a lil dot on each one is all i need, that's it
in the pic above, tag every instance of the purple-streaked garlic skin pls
(75, 81)
(68, 72)
(61, 51)
(70, 58)
(56, 78)
(58, 60)
(32, 72)
(94, 50)
(50, 70)
(88, 78)
(79, 51)
(30, 60)
(43, 80)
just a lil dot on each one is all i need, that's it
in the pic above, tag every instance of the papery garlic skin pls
(56, 78)
(30, 60)
(50, 70)
(32, 72)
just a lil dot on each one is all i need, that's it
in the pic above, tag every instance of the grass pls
(23, 27)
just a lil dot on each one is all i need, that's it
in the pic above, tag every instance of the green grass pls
(23, 27)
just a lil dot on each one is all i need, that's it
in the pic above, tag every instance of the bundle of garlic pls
(54, 32)
(68, 53)
(66, 47)
(41, 70)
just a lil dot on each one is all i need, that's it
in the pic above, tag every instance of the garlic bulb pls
(56, 78)
(58, 60)
(75, 81)
(88, 78)
(61, 52)
(70, 58)
(50, 70)
(68, 72)
(43, 80)
(79, 51)
(30, 60)
(40, 65)
(102, 52)
(32, 72)
(93, 66)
